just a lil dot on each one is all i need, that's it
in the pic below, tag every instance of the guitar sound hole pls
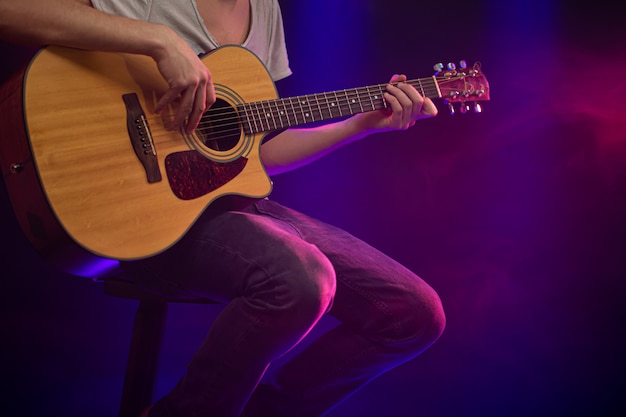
(219, 128)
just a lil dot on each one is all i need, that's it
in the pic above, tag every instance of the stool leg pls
(145, 346)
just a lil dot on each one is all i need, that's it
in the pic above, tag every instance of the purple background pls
(516, 216)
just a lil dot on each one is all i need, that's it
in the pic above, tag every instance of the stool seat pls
(121, 287)
(146, 339)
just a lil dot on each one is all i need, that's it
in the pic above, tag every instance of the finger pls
(168, 98)
(395, 110)
(396, 78)
(428, 108)
(194, 117)
(397, 81)
(185, 108)
(417, 101)
(205, 97)
(405, 113)
(210, 93)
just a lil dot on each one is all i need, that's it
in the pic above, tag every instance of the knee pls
(311, 283)
(433, 321)
(304, 285)
(420, 321)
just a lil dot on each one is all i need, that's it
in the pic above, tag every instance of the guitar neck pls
(265, 116)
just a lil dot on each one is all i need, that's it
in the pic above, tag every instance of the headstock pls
(463, 85)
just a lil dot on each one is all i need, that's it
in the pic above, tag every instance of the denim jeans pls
(279, 272)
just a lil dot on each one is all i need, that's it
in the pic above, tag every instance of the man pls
(278, 270)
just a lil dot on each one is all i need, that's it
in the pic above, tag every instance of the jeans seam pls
(281, 219)
(231, 251)
(381, 306)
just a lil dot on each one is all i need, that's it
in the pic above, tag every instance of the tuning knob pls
(478, 108)
(451, 109)
(451, 66)
(438, 68)
(463, 64)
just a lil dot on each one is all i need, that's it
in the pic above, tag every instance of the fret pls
(277, 113)
(254, 117)
(355, 102)
(352, 103)
(341, 105)
(382, 96)
(259, 117)
(328, 106)
(358, 98)
(421, 88)
(263, 115)
(271, 115)
(285, 112)
(251, 117)
(435, 86)
(318, 108)
(247, 126)
(308, 103)
(335, 108)
(305, 105)
(369, 95)
(301, 110)
(345, 105)
(294, 112)
(337, 104)
(267, 126)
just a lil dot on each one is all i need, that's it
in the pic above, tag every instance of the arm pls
(297, 147)
(74, 23)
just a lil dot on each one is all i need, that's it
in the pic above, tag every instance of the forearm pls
(294, 148)
(74, 23)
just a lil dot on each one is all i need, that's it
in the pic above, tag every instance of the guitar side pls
(31, 209)
(91, 176)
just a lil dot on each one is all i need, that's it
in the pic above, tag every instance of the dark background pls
(515, 216)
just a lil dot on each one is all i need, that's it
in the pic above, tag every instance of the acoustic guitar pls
(87, 163)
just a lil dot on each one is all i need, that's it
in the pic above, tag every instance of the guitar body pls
(101, 193)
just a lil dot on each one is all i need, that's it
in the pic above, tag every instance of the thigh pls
(227, 255)
(375, 294)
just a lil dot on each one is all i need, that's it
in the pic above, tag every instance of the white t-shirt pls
(266, 37)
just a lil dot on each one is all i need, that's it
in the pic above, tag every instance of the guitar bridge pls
(140, 137)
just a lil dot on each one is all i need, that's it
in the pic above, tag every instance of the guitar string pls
(229, 127)
(311, 104)
(346, 96)
(233, 124)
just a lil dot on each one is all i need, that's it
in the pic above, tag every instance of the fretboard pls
(265, 116)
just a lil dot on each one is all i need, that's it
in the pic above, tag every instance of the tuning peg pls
(463, 64)
(451, 109)
(464, 107)
(478, 108)
(438, 68)
(451, 66)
